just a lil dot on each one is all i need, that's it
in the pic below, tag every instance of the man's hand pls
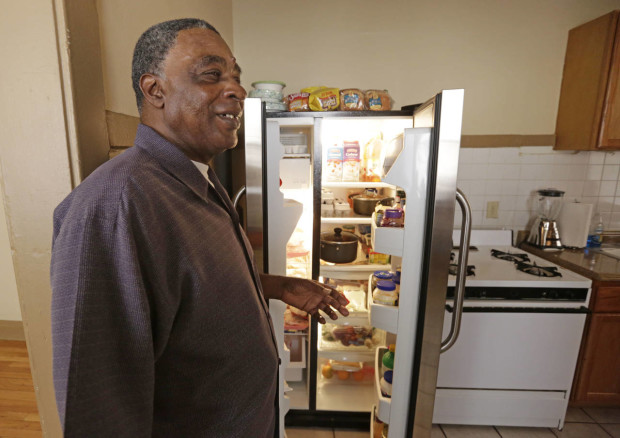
(308, 295)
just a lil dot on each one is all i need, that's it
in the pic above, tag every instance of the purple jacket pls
(159, 323)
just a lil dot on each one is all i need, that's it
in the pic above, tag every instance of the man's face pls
(203, 97)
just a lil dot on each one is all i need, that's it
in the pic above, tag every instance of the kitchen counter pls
(589, 262)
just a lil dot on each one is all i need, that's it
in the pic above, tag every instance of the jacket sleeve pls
(103, 349)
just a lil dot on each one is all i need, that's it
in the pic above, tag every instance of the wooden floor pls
(19, 416)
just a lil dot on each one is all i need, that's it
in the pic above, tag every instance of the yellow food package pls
(327, 99)
(313, 89)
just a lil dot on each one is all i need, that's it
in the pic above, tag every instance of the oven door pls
(514, 349)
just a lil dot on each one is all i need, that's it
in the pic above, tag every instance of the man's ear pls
(151, 87)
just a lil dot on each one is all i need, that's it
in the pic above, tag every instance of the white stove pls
(514, 360)
(498, 281)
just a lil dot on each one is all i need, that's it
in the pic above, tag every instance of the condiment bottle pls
(379, 275)
(388, 357)
(393, 218)
(385, 293)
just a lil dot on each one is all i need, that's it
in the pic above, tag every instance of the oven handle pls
(499, 309)
(461, 274)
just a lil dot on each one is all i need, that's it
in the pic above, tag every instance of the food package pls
(378, 100)
(313, 89)
(351, 162)
(352, 99)
(334, 164)
(298, 102)
(325, 99)
(353, 335)
(374, 155)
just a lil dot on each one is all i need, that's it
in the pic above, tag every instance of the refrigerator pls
(290, 188)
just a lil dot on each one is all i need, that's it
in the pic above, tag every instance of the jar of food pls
(379, 275)
(385, 293)
(393, 218)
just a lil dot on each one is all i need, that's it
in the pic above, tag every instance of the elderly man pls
(159, 316)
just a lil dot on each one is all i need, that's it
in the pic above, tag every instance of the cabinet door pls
(610, 126)
(599, 379)
(584, 83)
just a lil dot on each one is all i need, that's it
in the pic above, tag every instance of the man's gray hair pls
(153, 46)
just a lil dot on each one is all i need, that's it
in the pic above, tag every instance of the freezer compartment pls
(500, 408)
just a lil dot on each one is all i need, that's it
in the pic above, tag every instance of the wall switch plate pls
(492, 209)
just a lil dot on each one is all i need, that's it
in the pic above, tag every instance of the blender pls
(545, 233)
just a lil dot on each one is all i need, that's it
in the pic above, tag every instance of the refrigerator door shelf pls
(387, 240)
(384, 404)
(382, 316)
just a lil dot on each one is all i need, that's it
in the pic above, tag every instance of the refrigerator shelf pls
(382, 316)
(350, 272)
(346, 355)
(353, 219)
(384, 404)
(387, 240)
(354, 184)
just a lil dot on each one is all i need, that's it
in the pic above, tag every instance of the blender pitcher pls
(545, 233)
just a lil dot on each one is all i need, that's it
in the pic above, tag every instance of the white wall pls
(507, 55)
(512, 176)
(122, 22)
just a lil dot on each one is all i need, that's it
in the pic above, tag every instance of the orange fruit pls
(326, 370)
(358, 376)
(343, 375)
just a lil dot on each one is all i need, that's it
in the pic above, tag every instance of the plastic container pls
(352, 335)
(341, 208)
(385, 293)
(393, 218)
(269, 85)
(379, 275)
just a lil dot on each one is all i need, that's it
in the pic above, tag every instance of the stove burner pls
(517, 258)
(539, 271)
(452, 269)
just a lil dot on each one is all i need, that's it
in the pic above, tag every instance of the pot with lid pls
(364, 203)
(339, 246)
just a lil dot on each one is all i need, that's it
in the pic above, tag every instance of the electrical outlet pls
(492, 209)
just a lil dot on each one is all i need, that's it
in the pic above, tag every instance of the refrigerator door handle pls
(238, 196)
(459, 290)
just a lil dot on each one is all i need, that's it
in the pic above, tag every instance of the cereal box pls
(333, 171)
(351, 162)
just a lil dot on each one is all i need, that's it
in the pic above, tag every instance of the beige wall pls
(9, 303)
(508, 55)
(121, 24)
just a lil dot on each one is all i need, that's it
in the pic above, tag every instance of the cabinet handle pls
(461, 275)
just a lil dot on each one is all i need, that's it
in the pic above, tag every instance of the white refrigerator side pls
(281, 221)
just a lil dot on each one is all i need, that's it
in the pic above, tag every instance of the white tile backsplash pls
(512, 176)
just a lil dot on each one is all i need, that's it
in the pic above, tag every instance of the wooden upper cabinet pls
(589, 109)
